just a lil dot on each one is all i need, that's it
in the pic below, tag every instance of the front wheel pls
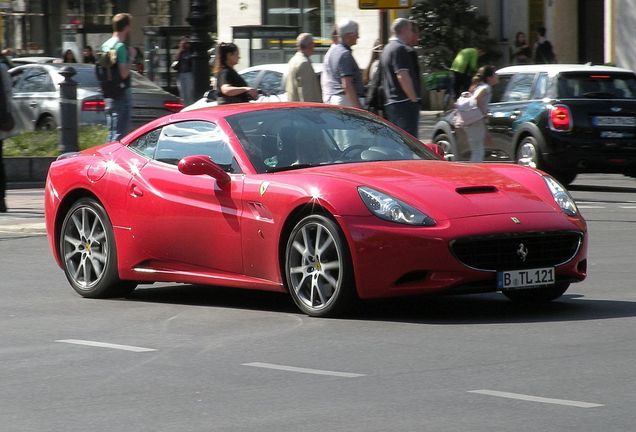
(318, 267)
(87, 246)
(446, 144)
(537, 295)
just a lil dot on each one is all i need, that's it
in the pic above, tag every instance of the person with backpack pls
(472, 109)
(113, 71)
(401, 77)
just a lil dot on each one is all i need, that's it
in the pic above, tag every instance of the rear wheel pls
(87, 246)
(537, 295)
(318, 267)
(445, 143)
(528, 153)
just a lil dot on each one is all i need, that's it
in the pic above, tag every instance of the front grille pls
(517, 251)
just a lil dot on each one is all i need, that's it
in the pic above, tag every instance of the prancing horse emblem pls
(522, 252)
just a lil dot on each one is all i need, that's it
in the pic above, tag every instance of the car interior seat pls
(287, 146)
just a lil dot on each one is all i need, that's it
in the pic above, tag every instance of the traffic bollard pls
(68, 110)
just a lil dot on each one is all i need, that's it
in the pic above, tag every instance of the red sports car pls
(331, 204)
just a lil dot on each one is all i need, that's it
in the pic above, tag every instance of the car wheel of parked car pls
(528, 152)
(87, 248)
(537, 295)
(46, 123)
(318, 267)
(446, 144)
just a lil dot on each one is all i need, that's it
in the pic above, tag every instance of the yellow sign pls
(384, 4)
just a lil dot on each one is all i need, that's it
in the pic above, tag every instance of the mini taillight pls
(560, 118)
(93, 105)
(173, 106)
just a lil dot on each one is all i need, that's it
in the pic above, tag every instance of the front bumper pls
(392, 260)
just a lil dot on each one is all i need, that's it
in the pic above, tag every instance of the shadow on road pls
(445, 310)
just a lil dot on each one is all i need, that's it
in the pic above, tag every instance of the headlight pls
(561, 196)
(388, 208)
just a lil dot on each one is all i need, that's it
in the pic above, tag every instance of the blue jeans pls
(118, 116)
(405, 115)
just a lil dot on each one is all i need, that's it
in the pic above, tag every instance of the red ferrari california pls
(330, 204)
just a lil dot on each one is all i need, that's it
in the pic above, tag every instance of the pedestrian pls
(118, 104)
(521, 53)
(343, 77)
(372, 78)
(543, 52)
(89, 57)
(69, 57)
(183, 67)
(301, 84)
(400, 77)
(464, 67)
(480, 92)
(137, 60)
(231, 87)
(8, 120)
(323, 77)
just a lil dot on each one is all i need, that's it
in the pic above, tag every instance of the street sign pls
(384, 4)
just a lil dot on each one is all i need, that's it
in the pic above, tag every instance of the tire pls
(447, 145)
(46, 123)
(537, 295)
(565, 177)
(528, 153)
(87, 248)
(318, 269)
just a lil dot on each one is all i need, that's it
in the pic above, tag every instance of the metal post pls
(68, 108)
(201, 21)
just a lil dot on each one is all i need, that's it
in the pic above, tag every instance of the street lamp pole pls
(201, 21)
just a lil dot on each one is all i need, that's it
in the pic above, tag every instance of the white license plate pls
(614, 121)
(525, 278)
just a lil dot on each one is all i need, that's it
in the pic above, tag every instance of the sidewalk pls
(26, 212)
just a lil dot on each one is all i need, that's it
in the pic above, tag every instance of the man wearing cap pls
(301, 84)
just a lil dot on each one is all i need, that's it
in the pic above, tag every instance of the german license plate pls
(613, 121)
(525, 278)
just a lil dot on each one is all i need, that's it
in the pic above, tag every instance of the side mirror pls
(203, 165)
(436, 149)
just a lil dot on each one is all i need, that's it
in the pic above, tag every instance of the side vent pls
(476, 190)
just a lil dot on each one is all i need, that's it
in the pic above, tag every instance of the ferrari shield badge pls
(263, 188)
(514, 219)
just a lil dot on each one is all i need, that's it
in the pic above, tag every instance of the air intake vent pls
(476, 190)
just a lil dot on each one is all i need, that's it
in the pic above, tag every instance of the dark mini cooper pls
(563, 119)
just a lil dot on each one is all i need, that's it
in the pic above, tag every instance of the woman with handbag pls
(472, 111)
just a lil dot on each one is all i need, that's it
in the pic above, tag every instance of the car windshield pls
(597, 85)
(285, 139)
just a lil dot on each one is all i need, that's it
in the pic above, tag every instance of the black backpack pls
(107, 72)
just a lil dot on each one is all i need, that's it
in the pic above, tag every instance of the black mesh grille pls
(506, 252)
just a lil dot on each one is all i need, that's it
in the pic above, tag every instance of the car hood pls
(446, 190)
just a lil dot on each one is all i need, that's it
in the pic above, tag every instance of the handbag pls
(467, 110)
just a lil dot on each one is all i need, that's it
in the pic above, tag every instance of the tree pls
(447, 27)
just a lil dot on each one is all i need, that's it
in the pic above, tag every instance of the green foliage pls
(446, 27)
(45, 143)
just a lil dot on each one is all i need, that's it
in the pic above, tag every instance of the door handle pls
(516, 113)
(135, 191)
(33, 104)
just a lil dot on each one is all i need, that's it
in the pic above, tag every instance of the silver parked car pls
(36, 92)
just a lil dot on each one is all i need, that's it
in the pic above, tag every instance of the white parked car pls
(269, 79)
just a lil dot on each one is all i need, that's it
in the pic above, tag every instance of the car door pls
(182, 219)
(37, 98)
(504, 112)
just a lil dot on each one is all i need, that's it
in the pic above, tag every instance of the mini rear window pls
(599, 85)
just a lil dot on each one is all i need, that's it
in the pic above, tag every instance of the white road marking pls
(590, 207)
(303, 370)
(105, 345)
(628, 207)
(529, 398)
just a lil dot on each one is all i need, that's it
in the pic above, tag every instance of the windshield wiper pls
(289, 167)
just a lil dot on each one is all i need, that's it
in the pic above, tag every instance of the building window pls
(311, 16)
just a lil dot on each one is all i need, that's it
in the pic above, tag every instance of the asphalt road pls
(186, 358)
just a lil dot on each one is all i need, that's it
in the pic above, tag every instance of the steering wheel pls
(359, 147)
